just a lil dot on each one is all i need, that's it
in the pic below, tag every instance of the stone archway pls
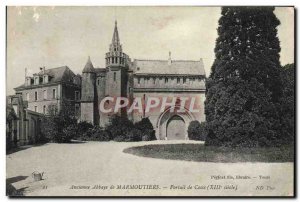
(176, 129)
(166, 118)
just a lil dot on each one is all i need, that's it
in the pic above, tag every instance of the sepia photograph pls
(150, 101)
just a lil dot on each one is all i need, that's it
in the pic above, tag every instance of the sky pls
(58, 36)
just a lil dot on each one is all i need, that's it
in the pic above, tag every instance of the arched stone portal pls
(176, 128)
(173, 125)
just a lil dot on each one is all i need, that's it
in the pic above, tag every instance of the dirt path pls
(104, 164)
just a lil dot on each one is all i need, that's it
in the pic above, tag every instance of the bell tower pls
(116, 68)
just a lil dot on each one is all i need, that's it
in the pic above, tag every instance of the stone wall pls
(159, 119)
(47, 100)
(169, 82)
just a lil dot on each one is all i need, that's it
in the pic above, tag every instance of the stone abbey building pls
(144, 78)
(123, 77)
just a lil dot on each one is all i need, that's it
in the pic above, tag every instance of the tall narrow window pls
(54, 94)
(44, 109)
(184, 80)
(166, 80)
(77, 110)
(35, 95)
(45, 94)
(115, 75)
(113, 60)
(77, 95)
(178, 80)
(116, 59)
(139, 80)
(35, 108)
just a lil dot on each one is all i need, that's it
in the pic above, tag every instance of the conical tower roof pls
(88, 68)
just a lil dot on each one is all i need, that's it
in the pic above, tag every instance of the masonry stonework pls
(121, 77)
(143, 79)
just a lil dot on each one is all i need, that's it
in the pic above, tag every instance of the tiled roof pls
(179, 67)
(57, 74)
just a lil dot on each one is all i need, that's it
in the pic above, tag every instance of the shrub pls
(197, 131)
(68, 133)
(119, 126)
(119, 138)
(134, 135)
(146, 137)
(97, 134)
(83, 127)
(146, 127)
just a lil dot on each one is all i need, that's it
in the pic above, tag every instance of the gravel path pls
(84, 165)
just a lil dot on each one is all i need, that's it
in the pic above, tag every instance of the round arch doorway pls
(176, 128)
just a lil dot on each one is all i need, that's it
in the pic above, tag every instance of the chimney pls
(169, 60)
(44, 68)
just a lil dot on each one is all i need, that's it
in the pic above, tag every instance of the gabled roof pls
(88, 68)
(58, 74)
(178, 67)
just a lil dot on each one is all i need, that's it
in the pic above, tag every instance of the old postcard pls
(150, 101)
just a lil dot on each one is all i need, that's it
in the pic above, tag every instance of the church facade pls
(179, 85)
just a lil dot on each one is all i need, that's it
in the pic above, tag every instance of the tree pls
(287, 103)
(244, 86)
(59, 126)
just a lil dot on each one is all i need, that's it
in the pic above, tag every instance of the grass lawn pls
(201, 153)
